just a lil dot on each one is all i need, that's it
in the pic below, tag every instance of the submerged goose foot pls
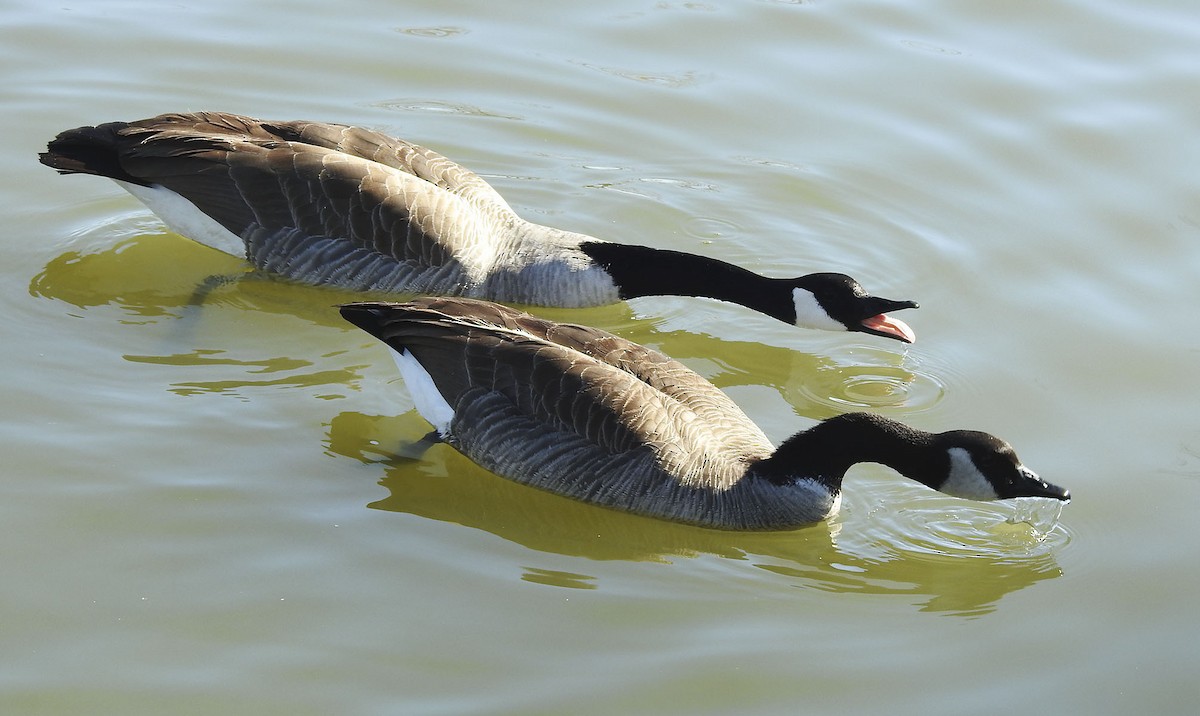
(428, 440)
(212, 283)
(415, 450)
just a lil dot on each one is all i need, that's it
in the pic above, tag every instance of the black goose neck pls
(827, 450)
(644, 271)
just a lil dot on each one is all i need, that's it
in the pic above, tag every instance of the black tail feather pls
(88, 150)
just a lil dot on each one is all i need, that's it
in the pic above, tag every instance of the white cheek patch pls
(809, 313)
(426, 398)
(182, 217)
(965, 479)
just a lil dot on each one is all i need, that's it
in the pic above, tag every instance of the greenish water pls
(203, 509)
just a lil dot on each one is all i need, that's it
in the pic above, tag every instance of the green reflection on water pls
(146, 276)
(255, 366)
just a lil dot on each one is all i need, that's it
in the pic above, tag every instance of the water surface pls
(208, 506)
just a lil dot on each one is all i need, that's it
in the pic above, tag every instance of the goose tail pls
(89, 150)
(365, 315)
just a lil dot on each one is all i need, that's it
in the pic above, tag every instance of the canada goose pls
(586, 414)
(346, 206)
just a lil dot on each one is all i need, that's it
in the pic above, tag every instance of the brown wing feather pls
(250, 175)
(405, 156)
(561, 374)
(662, 373)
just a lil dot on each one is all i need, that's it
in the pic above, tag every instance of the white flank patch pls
(428, 401)
(809, 313)
(836, 507)
(965, 479)
(182, 217)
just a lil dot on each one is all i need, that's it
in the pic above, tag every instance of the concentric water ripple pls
(707, 227)
(866, 378)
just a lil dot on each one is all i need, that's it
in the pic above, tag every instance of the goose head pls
(980, 466)
(962, 463)
(834, 301)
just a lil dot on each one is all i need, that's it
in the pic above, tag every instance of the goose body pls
(331, 204)
(587, 414)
